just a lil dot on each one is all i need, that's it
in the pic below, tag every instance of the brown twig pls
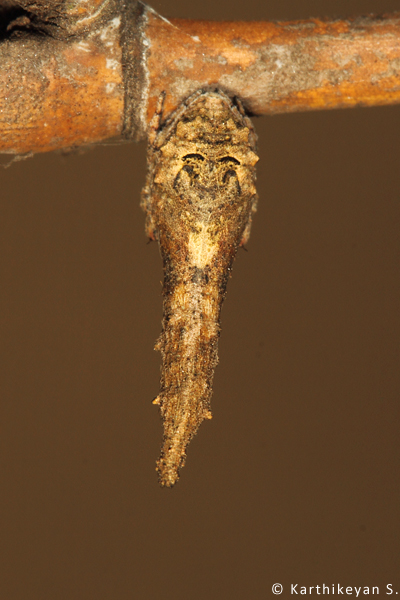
(78, 76)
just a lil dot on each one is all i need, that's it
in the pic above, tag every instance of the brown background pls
(296, 479)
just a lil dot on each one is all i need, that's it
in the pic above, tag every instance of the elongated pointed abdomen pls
(188, 346)
(199, 198)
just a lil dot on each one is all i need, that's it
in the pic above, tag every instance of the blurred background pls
(296, 478)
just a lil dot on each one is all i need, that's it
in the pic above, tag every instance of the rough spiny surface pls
(199, 199)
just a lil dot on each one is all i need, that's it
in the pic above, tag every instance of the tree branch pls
(74, 74)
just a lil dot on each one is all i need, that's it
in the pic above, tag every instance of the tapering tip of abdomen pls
(176, 440)
(172, 459)
(168, 475)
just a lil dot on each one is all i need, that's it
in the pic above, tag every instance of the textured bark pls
(64, 18)
(75, 73)
(278, 67)
(58, 92)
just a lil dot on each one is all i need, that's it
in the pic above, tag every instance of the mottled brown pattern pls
(277, 67)
(61, 93)
(199, 199)
(76, 73)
